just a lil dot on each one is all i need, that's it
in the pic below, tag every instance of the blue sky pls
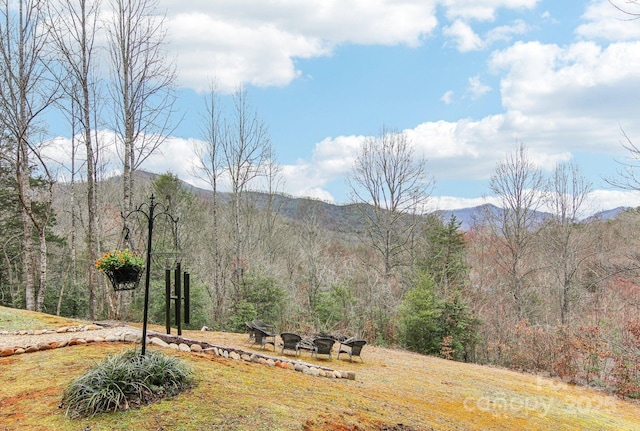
(465, 79)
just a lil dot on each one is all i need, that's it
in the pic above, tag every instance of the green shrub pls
(126, 380)
(426, 319)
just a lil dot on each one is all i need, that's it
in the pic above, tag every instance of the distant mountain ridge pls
(346, 217)
(468, 217)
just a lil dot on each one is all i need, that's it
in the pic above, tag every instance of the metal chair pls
(323, 346)
(290, 342)
(263, 338)
(355, 348)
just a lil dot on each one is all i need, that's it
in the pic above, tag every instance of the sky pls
(466, 80)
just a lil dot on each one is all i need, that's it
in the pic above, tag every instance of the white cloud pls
(505, 33)
(581, 90)
(176, 156)
(335, 156)
(477, 88)
(483, 10)
(258, 42)
(464, 37)
(609, 199)
(447, 97)
(604, 21)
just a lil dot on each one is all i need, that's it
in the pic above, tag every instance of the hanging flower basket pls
(122, 267)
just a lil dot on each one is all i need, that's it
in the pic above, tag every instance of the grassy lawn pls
(392, 387)
(16, 320)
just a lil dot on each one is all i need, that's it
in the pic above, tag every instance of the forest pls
(556, 294)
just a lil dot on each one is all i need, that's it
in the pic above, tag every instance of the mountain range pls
(347, 218)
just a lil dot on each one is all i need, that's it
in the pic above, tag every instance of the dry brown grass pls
(392, 387)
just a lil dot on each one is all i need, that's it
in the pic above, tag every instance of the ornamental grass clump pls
(126, 380)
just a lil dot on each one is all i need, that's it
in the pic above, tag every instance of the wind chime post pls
(180, 297)
(187, 302)
(178, 272)
(167, 298)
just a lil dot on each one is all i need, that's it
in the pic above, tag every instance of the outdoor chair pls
(355, 348)
(251, 331)
(322, 346)
(263, 338)
(264, 326)
(306, 344)
(290, 342)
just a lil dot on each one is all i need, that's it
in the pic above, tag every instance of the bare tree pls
(142, 83)
(388, 175)
(26, 91)
(573, 245)
(246, 148)
(270, 235)
(628, 178)
(73, 26)
(519, 185)
(210, 168)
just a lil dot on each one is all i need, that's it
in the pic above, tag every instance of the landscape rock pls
(6, 352)
(132, 338)
(159, 342)
(184, 347)
(197, 348)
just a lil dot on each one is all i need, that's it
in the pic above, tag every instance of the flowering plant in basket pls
(116, 259)
(122, 267)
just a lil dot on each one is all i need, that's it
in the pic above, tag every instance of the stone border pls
(187, 345)
(167, 341)
(120, 335)
(61, 330)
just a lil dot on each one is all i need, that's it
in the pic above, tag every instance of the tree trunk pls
(43, 269)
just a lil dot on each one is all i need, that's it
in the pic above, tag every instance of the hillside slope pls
(393, 390)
